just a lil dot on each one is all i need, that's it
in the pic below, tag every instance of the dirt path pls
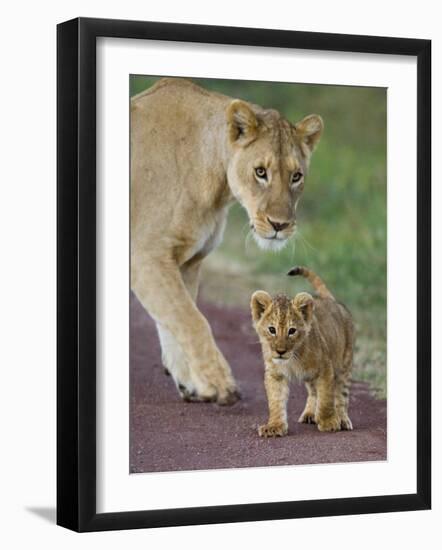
(168, 434)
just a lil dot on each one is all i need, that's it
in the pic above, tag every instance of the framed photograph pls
(243, 274)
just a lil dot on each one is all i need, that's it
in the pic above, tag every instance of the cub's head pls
(268, 163)
(282, 323)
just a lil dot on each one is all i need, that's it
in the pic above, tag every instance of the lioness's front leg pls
(160, 287)
(172, 354)
(277, 390)
(175, 362)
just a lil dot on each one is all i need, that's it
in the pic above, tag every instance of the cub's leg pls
(277, 390)
(343, 382)
(327, 418)
(160, 287)
(342, 398)
(308, 415)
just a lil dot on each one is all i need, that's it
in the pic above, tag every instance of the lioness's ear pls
(304, 303)
(259, 302)
(242, 122)
(309, 129)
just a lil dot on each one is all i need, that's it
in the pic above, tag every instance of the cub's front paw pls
(330, 424)
(307, 417)
(273, 430)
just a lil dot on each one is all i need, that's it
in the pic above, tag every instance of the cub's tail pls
(316, 282)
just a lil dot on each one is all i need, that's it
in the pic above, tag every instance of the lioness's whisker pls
(248, 240)
(304, 247)
(246, 227)
(293, 244)
(304, 240)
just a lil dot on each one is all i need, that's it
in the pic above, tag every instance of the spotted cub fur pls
(311, 339)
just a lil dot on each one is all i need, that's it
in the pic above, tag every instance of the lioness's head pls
(268, 163)
(282, 323)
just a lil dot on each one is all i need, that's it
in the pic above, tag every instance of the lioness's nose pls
(276, 225)
(281, 351)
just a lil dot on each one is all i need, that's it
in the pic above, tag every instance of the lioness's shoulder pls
(186, 89)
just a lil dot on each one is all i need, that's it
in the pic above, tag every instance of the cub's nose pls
(281, 351)
(277, 226)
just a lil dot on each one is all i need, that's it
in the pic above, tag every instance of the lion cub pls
(310, 338)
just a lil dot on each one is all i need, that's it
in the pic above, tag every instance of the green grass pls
(341, 217)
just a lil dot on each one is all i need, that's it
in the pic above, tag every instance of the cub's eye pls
(272, 330)
(292, 331)
(296, 177)
(261, 172)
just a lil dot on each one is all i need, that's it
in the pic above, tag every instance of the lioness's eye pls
(296, 177)
(261, 172)
(272, 330)
(292, 331)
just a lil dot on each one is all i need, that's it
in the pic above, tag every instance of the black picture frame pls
(77, 287)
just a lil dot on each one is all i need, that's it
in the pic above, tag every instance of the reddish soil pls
(169, 434)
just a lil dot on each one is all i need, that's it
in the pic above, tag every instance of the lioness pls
(194, 152)
(310, 339)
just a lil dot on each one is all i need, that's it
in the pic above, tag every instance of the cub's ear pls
(304, 303)
(309, 129)
(259, 302)
(242, 123)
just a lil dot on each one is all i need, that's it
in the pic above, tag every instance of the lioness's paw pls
(331, 424)
(346, 423)
(191, 396)
(215, 381)
(209, 394)
(229, 398)
(273, 430)
(307, 417)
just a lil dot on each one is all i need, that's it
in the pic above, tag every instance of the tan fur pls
(320, 353)
(192, 153)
